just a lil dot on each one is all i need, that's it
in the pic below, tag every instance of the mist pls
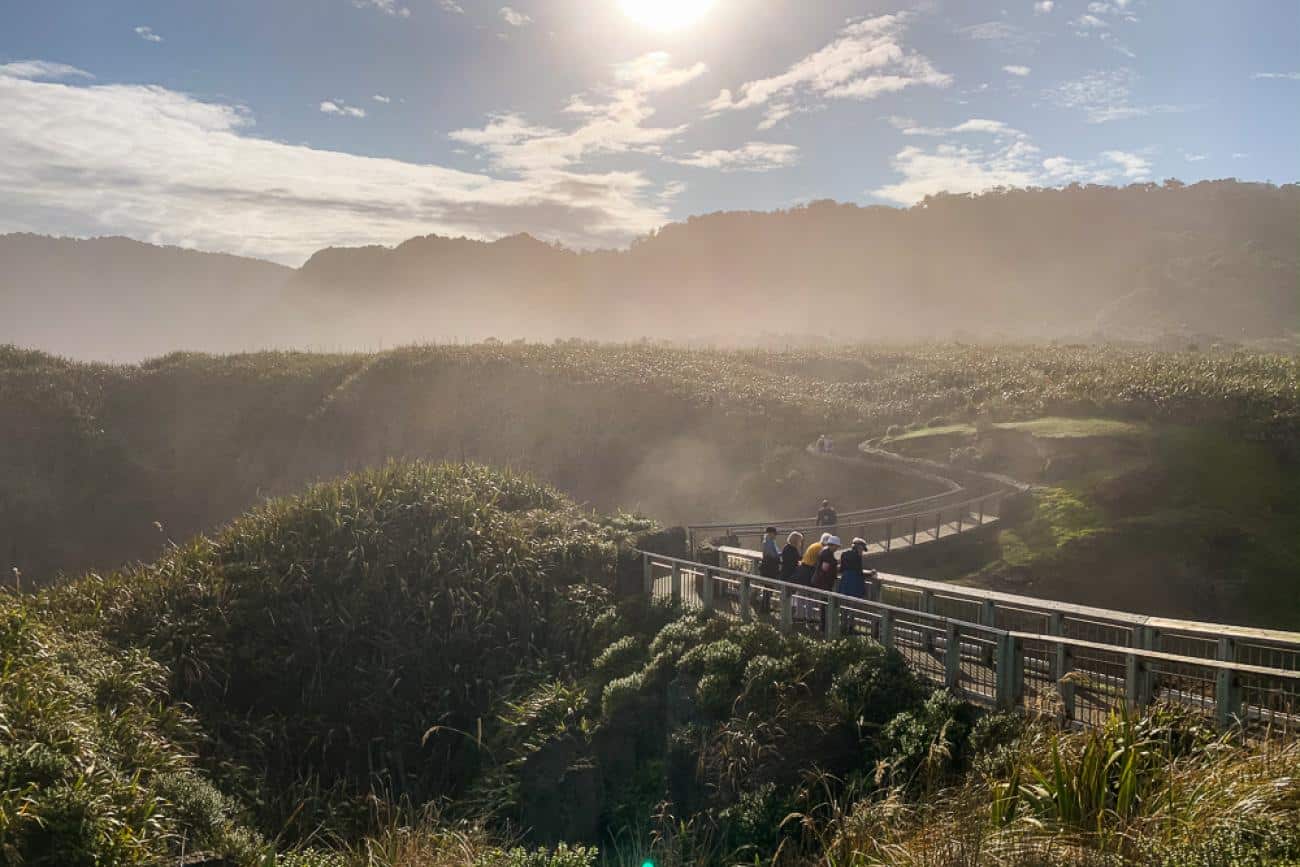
(1144, 262)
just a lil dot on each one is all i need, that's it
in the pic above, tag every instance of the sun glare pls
(665, 15)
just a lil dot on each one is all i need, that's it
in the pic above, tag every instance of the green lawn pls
(1048, 427)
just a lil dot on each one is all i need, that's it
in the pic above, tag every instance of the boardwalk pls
(999, 649)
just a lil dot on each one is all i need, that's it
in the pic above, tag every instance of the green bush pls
(561, 856)
(621, 657)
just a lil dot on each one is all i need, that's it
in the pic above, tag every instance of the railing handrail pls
(1035, 605)
(851, 518)
(1161, 655)
(845, 518)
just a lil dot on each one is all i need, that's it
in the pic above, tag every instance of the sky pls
(273, 128)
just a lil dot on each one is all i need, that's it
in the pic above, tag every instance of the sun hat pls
(858, 540)
(826, 538)
(833, 540)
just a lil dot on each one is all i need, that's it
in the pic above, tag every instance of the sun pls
(665, 15)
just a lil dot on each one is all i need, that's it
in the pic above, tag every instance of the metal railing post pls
(1227, 688)
(832, 618)
(886, 628)
(927, 605)
(915, 521)
(1009, 672)
(982, 499)
(706, 590)
(938, 524)
(745, 612)
(787, 609)
(988, 617)
(647, 575)
(677, 582)
(952, 657)
(889, 536)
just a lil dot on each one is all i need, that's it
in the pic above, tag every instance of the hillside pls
(135, 456)
(118, 299)
(1145, 262)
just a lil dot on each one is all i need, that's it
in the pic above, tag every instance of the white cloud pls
(1012, 161)
(1238, 155)
(1043, 7)
(388, 7)
(451, 6)
(651, 72)
(1134, 167)
(752, 157)
(1288, 76)
(168, 168)
(147, 34)
(380, 98)
(1104, 97)
(514, 17)
(974, 125)
(613, 122)
(330, 106)
(1020, 71)
(41, 70)
(1090, 21)
(864, 61)
(998, 31)
(1194, 158)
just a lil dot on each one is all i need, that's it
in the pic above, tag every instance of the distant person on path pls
(790, 555)
(829, 445)
(826, 516)
(827, 566)
(821, 444)
(770, 567)
(853, 580)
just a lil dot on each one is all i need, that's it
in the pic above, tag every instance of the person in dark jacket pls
(790, 555)
(826, 516)
(853, 580)
(827, 565)
(770, 565)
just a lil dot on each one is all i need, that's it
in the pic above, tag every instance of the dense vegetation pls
(429, 666)
(133, 456)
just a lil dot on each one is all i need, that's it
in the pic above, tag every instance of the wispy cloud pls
(751, 157)
(864, 61)
(388, 7)
(41, 70)
(513, 17)
(1288, 76)
(380, 98)
(1042, 7)
(165, 167)
(613, 121)
(1104, 96)
(339, 107)
(147, 34)
(974, 125)
(1019, 71)
(1012, 160)
(1013, 35)
(451, 6)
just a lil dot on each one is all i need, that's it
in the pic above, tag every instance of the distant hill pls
(119, 299)
(1218, 258)
(1215, 258)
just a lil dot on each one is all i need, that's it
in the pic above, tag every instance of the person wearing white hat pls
(827, 566)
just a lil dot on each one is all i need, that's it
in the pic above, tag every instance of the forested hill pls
(119, 299)
(1215, 258)
(1147, 261)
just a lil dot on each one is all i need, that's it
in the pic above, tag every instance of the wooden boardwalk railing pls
(1010, 651)
(885, 529)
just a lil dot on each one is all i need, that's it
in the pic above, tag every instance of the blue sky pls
(276, 127)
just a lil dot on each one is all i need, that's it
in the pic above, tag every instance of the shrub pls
(621, 694)
(621, 657)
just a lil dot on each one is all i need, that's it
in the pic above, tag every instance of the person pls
(770, 566)
(790, 555)
(827, 517)
(830, 445)
(827, 565)
(808, 563)
(821, 444)
(853, 580)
